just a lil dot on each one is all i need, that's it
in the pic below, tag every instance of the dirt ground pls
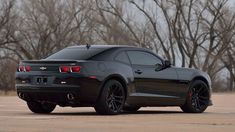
(15, 117)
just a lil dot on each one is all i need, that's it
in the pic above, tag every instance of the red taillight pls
(24, 68)
(21, 68)
(65, 69)
(75, 68)
(27, 68)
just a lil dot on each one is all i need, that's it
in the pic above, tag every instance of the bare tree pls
(7, 19)
(114, 27)
(48, 26)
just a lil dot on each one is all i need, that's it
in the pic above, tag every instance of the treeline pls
(190, 33)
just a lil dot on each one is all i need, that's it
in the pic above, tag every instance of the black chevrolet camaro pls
(111, 79)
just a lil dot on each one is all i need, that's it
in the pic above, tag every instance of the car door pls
(152, 80)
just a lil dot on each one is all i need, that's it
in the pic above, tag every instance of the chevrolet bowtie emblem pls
(42, 68)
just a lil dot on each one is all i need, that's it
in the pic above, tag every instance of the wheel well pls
(202, 79)
(114, 77)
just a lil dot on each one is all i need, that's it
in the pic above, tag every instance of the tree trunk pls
(231, 82)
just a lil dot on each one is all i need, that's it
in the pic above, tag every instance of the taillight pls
(21, 68)
(75, 68)
(64, 69)
(27, 68)
(67, 69)
(24, 68)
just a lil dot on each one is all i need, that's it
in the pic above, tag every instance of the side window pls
(143, 58)
(122, 57)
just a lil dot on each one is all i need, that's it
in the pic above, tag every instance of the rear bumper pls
(58, 94)
(46, 88)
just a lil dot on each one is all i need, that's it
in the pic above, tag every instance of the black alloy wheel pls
(112, 98)
(198, 98)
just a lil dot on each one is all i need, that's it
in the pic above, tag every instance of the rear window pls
(76, 53)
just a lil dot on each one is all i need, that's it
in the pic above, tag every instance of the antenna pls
(88, 46)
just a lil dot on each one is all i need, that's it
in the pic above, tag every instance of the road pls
(15, 117)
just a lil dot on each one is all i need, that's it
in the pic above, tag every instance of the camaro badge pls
(42, 68)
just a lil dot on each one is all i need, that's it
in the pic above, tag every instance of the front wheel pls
(112, 98)
(41, 107)
(197, 99)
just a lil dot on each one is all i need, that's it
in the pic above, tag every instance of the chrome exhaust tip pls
(70, 96)
(21, 95)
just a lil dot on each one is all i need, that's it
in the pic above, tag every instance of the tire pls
(131, 108)
(197, 98)
(112, 99)
(41, 108)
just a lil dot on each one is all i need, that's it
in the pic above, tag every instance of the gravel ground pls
(15, 117)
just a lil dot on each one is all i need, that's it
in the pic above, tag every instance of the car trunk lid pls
(48, 65)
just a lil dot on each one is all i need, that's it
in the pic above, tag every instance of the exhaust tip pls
(70, 96)
(21, 95)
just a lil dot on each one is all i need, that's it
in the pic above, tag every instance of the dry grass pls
(7, 93)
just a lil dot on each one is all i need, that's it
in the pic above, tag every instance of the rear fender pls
(117, 77)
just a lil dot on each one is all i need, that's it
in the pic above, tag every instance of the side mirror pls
(167, 64)
(158, 67)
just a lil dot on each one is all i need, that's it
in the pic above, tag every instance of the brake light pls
(64, 69)
(75, 68)
(67, 69)
(27, 68)
(21, 68)
(24, 68)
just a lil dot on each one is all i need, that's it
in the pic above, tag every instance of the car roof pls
(107, 47)
(110, 51)
(102, 46)
(116, 48)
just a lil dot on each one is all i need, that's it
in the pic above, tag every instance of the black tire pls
(112, 99)
(197, 98)
(41, 108)
(131, 108)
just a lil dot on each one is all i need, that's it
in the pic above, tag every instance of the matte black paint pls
(145, 85)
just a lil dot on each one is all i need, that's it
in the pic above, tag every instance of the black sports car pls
(111, 79)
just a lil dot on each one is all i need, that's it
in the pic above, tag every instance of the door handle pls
(138, 71)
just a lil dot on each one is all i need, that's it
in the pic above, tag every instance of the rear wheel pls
(131, 108)
(197, 99)
(42, 108)
(112, 98)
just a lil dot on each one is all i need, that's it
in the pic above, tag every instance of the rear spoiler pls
(56, 61)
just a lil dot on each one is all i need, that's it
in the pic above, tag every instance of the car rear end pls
(66, 82)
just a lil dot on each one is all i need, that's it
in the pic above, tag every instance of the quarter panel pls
(104, 69)
(186, 76)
